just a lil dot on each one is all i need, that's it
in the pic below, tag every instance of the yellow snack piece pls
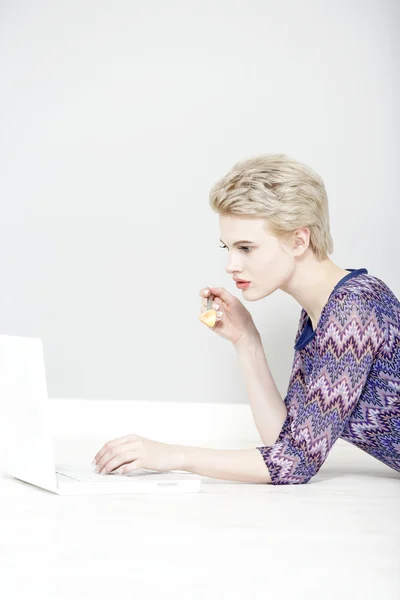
(209, 317)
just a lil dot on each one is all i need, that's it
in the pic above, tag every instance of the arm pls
(322, 402)
(268, 409)
(235, 465)
(269, 413)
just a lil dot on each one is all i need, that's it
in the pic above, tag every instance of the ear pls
(301, 240)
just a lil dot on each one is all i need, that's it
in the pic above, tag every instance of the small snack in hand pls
(209, 317)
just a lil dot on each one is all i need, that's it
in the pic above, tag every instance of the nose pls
(233, 266)
(231, 269)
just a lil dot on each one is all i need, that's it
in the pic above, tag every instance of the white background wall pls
(118, 117)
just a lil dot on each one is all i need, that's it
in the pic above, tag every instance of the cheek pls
(274, 259)
(276, 267)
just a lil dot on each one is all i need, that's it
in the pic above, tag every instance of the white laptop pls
(26, 445)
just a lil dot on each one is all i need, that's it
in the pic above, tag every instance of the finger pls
(204, 292)
(218, 304)
(112, 443)
(117, 451)
(114, 451)
(119, 460)
(222, 293)
(132, 466)
(214, 305)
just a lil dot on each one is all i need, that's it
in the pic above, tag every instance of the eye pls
(245, 249)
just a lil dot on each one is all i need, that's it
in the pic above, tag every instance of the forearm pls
(235, 465)
(267, 406)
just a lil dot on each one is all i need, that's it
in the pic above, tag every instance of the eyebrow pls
(240, 242)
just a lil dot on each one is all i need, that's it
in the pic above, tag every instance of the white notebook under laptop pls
(26, 444)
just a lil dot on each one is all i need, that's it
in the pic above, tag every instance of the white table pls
(336, 537)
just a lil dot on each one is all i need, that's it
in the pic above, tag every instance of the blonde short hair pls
(285, 192)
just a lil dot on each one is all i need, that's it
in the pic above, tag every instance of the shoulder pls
(365, 295)
(370, 288)
(364, 306)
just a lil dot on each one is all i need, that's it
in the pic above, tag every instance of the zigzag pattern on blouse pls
(344, 383)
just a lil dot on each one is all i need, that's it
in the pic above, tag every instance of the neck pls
(312, 283)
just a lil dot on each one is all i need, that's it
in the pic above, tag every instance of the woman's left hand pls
(133, 452)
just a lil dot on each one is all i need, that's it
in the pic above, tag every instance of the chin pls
(251, 295)
(257, 295)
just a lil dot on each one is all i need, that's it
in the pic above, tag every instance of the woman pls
(345, 379)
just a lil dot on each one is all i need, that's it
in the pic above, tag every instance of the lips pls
(241, 281)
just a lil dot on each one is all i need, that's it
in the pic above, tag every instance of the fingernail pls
(96, 469)
(219, 314)
(93, 461)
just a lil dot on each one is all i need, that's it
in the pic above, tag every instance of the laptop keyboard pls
(87, 473)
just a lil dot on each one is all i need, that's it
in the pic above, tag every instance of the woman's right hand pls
(236, 322)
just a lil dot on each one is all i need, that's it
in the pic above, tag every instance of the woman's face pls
(264, 260)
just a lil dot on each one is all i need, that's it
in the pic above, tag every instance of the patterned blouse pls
(345, 382)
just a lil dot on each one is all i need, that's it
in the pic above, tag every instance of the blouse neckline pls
(308, 332)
